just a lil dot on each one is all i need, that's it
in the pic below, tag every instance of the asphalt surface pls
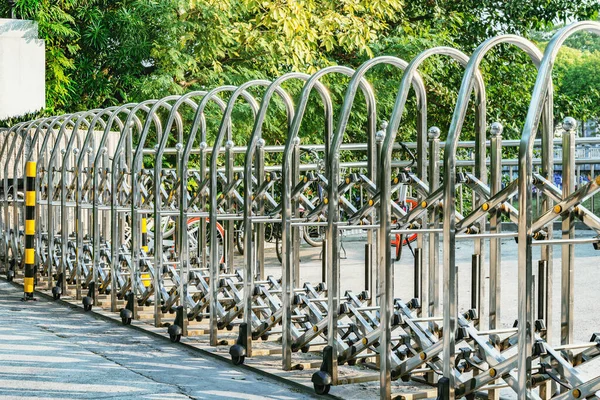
(49, 351)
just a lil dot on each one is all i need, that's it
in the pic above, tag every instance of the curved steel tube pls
(541, 92)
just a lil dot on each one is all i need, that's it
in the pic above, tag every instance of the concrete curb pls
(139, 326)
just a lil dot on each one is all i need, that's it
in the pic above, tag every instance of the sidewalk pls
(50, 351)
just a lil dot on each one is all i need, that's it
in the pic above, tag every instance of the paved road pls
(50, 351)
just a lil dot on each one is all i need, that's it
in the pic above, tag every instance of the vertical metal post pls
(230, 224)
(374, 269)
(495, 226)
(260, 205)
(545, 275)
(433, 136)
(295, 231)
(568, 232)
(495, 243)
(418, 266)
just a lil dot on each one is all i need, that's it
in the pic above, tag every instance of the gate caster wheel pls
(238, 360)
(175, 332)
(56, 292)
(87, 303)
(321, 389)
(321, 382)
(126, 316)
(237, 353)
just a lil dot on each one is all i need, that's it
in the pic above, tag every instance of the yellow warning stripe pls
(29, 256)
(28, 285)
(30, 227)
(30, 168)
(30, 198)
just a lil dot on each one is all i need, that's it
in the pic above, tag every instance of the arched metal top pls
(185, 99)
(63, 127)
(126, 131)
(543, 84)
(260, 118)
(200, 122)
(83, 118)
(467, 83)
(49, 128)
(417, 82)
(111, 112)
(301, 108)
(21, 129)
(164, 103)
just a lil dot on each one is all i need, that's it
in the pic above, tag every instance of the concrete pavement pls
(49, 351)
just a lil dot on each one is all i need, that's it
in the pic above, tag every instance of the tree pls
(104, 52)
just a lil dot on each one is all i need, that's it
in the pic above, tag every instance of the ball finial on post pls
(433, 133)
(569, 124)
(496, 129)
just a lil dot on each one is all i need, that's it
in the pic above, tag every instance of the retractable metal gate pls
(164, 210)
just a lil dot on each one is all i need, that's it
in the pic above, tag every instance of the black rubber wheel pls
(305, 349)
(238, 360)
(321, 389)
(265, 337)
(175, 338)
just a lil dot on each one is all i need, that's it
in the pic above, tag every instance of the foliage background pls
(106, 52)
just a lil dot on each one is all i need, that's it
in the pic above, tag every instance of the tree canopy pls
(105, 52)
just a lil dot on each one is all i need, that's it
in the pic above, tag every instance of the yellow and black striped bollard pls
(145, 275)
(30, 198)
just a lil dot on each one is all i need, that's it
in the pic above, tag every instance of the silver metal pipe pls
(450, 292)
(385, 213)
(542, 92)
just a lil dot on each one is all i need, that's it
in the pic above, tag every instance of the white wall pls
(22, 68)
